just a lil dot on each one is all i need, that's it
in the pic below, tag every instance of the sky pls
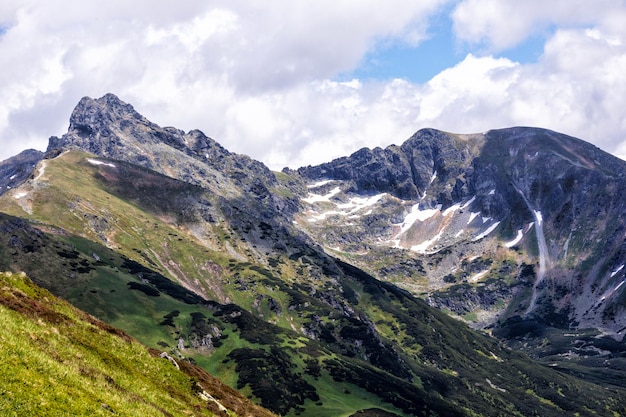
(300, 82)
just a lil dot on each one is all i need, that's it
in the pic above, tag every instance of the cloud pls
(220, 56)
(261, 77)
(575, 87)
(501, 24)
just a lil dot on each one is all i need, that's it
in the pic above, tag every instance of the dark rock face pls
(563, 194)
(403, 171)
(18, 168)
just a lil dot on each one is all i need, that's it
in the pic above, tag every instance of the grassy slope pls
(101, 288)
(59, 361)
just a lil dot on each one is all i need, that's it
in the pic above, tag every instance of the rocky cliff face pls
(519, 221)
(406, 171)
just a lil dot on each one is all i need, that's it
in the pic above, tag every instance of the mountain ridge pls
(223, 228)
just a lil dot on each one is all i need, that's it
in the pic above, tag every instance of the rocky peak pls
(111, 128)
(106, 110)
(107, 127)
(407, 171)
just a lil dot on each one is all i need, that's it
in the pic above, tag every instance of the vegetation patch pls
(162, 284)
(146, 289)
(281, 388)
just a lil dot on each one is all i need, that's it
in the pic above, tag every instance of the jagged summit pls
(111, 128)
(408, 170)
(404, 171)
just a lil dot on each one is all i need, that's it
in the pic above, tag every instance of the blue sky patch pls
(419, 64)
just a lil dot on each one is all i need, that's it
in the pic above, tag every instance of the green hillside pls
(59, 361)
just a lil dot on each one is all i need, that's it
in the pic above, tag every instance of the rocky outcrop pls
(232, 190)
(405, 171)
(15, 170)
(111, 128)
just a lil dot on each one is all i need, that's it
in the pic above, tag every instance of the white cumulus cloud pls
(262, 77)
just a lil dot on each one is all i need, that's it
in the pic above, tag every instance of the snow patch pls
(322, 216)
(610, 293)
(358, 203)
(12, 177)
(451, 209)
(417, 215)
(544, 260)
(422, 247)
(486, 232)
(96, 162)
(344, 209)
(433, 177)
(468, 203)
(492, 192)
(472, 217)
(619, 268)
(20, 195)
(518, 239)
(319, 184)
(316, 198)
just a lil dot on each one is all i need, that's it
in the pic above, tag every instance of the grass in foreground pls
(58, 361)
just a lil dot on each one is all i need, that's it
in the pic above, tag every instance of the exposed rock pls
(110, 128)
(477, 225)
(17, 169)
(164, 355)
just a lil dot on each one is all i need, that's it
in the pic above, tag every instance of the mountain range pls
(451, 275)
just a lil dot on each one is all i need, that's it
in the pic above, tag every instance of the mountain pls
(213, 258)
(512, 228)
